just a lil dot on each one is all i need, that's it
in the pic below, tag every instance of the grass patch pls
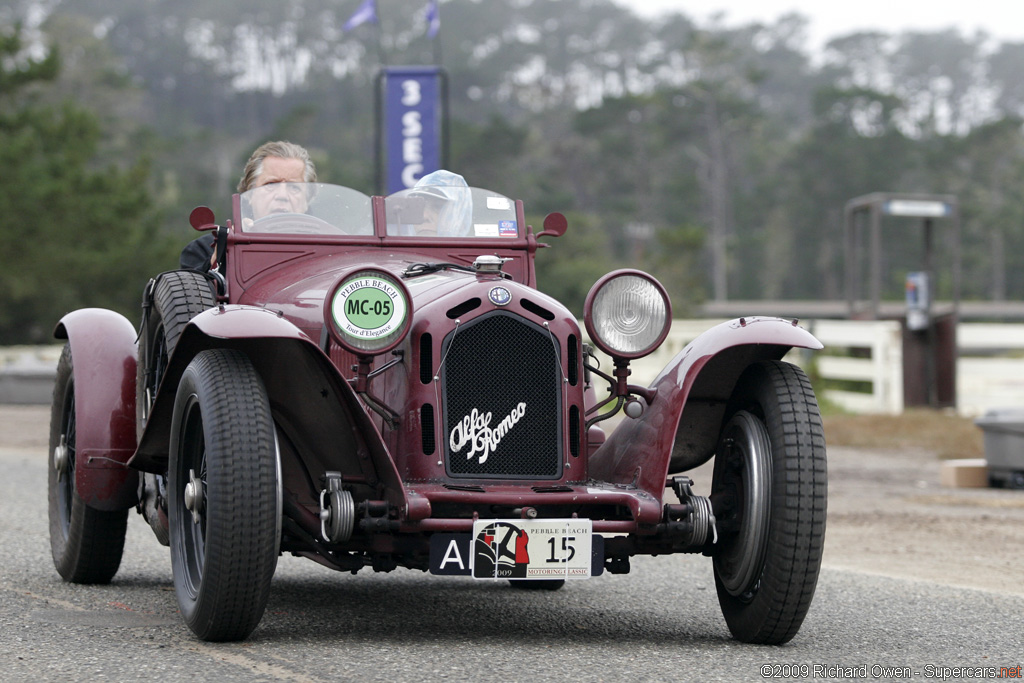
(949, 435)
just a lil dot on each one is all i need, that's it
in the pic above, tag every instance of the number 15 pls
(567, 547)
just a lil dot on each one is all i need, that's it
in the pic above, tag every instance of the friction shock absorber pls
(696, 512)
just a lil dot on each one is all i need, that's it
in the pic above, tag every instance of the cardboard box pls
(967, 473)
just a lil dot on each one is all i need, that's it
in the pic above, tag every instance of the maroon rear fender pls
(104, 351)
(679, 430)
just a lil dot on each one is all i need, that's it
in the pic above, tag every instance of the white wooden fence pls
(989, 372)
(990, 368)
(881, 342)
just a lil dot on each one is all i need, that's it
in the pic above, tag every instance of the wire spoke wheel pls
(769, 491)
(177, 297)
(173, 300)
(224, 496)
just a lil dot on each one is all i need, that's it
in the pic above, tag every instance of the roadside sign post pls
(929, 338)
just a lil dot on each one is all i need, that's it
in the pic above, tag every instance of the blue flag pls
(433, 18)
(367, 13)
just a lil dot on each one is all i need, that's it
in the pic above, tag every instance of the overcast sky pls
(1003, 19)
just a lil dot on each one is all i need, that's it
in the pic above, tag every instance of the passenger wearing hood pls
(447, 206)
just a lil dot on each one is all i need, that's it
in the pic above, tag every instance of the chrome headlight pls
(368, 312)
(628, 314)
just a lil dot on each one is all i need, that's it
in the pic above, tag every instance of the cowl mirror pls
(202, 219)
(555, 225)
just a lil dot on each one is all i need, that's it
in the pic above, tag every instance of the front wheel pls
(769, 493)
(86, 544)
(224, 496)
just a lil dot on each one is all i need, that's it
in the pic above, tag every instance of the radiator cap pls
(489, 263)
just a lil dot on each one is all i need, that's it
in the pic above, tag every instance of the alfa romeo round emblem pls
(499, 296)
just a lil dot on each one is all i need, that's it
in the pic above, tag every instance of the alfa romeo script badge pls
(499, 296)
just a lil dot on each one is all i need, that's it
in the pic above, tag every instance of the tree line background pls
(719, 159)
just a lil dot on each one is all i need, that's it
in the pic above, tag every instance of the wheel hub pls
(61, 457)
(739, 561)
(194, 499)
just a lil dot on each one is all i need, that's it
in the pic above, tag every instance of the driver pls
(274, 166)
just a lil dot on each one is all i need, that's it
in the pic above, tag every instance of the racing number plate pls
(531, 549)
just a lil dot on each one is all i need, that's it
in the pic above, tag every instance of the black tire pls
(224, 547)
(87, 544)
(178, 296)
(772, 524)
(537, 584)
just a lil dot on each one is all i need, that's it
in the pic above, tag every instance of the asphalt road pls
(659, 623)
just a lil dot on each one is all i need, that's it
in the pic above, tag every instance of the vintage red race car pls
(377, 383)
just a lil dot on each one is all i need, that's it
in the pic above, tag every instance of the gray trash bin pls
(1004, 446)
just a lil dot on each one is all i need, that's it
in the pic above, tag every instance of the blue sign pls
(413, 113)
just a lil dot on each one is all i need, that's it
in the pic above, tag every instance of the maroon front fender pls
(305, 390)
(678, 431)
(103, 350)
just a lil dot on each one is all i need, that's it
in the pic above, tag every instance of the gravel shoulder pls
(888, 514)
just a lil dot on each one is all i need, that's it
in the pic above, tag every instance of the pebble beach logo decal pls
(369, 308)
(501, 550)
(474, 430)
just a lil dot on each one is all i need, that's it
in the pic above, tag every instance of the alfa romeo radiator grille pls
(501, 392)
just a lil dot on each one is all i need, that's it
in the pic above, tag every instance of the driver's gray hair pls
(282, 150)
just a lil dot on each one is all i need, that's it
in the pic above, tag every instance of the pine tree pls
(71, 235)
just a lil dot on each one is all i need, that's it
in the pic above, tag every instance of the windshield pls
(309, 208)
(426, 211)
(450, 211)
